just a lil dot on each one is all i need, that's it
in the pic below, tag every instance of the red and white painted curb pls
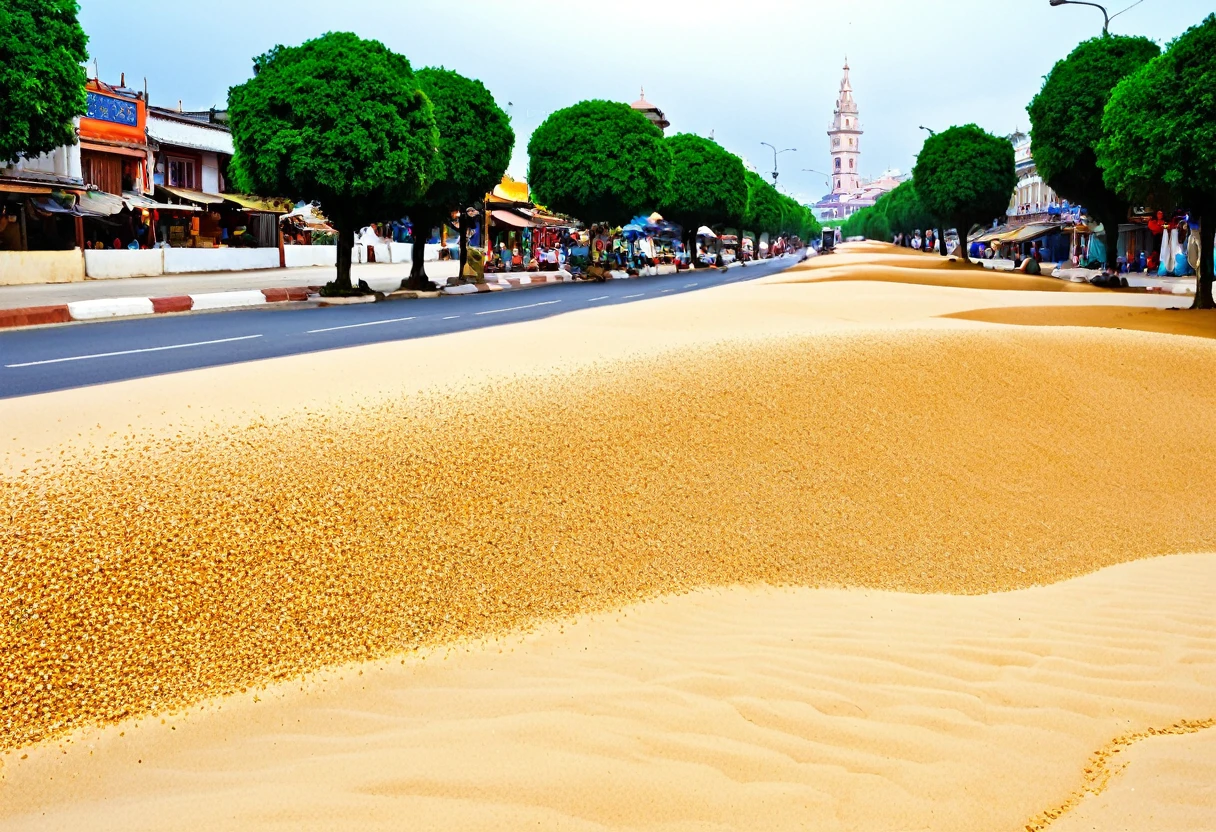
(102, 308)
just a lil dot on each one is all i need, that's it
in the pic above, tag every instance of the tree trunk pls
(963, 252)
(941, 241)
(1203, 274)
(417, 281)
(464, 242)
(1110, 230)
(346, 246)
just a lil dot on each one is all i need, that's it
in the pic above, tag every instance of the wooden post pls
(80, 232)
(282, 254)
(25, 236)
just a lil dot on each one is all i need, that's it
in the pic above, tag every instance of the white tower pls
(846, 140)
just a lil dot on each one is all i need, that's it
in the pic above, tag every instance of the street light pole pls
(931, 132)
(777, 153)
(1105, 16)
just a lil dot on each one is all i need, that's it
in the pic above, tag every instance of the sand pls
(726, 709)
(1196, 323)
(202, 535)
(885, 262)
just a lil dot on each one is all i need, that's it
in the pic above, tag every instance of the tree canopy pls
(1066, 123)
(339, 120)
(600, 161)
(904, 211)
(964, 176)
(1159, 136)
(42, 76)
(764, 210)
(475, 144)
(707, 184)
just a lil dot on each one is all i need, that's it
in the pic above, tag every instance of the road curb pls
(130, 307)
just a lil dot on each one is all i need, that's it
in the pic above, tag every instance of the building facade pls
(1032, 199)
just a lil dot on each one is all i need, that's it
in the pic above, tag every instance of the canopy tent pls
(706, 231)
(197, 197)
(257, 203)
(1030, 232)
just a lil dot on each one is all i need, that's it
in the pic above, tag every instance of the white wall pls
(182, 260)
(63, 162)
(302, 256)
(21, 268)
(104, 264)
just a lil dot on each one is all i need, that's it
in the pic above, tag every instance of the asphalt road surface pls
(44, 359)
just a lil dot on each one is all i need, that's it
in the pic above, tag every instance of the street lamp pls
(931, 132)
(777, 153)
(1105, 16)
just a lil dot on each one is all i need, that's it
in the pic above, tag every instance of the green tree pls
(42, 77)
(600, 161)
(764, 208)
(338, 120)
(707, 185)
(904, 211)
(1066, 125)
(964, 176)
(475, 143)
(1159, 138)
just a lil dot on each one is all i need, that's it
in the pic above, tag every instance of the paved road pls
(56, 358)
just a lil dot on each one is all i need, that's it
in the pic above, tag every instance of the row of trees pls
(1118, 123)
(347, 123)
(603, 161)
(963, 178)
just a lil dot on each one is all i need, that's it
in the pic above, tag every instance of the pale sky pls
(746, 71)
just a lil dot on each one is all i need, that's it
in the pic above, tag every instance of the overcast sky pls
(746, 71)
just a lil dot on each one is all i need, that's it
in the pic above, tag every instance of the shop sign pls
(109, 108)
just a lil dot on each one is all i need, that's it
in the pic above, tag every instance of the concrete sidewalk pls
(381, 277)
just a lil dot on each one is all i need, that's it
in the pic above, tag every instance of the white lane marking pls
(355, 326)
(638, 295)
(665, 291)
(601, 297)
(451, 317)
(689, 285)
(132, 352)
(513, 308)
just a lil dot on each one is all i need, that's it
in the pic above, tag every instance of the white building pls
(1032, 198)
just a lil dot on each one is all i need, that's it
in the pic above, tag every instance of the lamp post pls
(1105, 16)
(777, 153)
(928, 130)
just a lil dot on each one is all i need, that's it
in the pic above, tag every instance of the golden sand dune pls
(1198, 323)
(888, 263)
(174, 539)
(727, 709)
(963, 462)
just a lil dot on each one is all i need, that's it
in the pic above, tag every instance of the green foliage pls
(904, 211)
(870, 222)
(964, 176)
(42, 77)
(475, 139)
(340, 120)
(707, 184)
(600, 161)
(764, 209)
(1159, 137)
(1159, 128)
(1066, 122)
